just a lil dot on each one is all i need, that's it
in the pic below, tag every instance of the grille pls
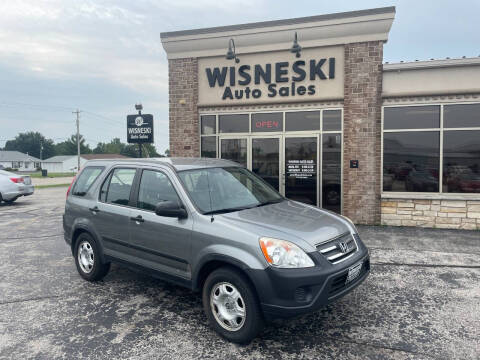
(340, 282)
(339, 248)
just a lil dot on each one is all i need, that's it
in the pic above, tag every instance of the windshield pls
(231, 189)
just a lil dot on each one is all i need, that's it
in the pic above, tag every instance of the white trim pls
(431, 64)
(274, 36)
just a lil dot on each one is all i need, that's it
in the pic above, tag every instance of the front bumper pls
(291, 292)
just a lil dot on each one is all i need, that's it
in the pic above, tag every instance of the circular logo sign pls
(139, 121)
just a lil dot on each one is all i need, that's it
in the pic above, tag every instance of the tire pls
(219, 299)
(87, 259)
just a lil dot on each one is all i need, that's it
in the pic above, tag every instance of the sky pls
(102, 57)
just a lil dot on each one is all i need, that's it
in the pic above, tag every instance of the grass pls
(51, 186)
(52, 175)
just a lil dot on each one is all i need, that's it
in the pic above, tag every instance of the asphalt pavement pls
(421, 301)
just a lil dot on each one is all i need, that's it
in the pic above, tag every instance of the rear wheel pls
(89, 264)
(231, 306)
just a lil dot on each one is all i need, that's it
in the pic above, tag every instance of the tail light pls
(68, 190)
(17, 180)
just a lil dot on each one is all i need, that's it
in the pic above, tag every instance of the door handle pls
(95, 209)
(139, 219)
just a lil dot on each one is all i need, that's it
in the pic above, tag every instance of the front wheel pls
(231, 305)
(87, 258)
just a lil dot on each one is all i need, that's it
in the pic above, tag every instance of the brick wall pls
(362, 131)
(183, 118)
(445, 214)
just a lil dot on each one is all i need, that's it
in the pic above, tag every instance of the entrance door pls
(266, 159)
(234, 150)
(301, 158)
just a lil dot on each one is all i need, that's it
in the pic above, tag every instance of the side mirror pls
(170, 209)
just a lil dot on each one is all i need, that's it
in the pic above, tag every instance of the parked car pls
(12, 186)
(217, 228)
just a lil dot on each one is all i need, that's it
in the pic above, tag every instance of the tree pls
(69, 146)
(30, 143)
(131, 150)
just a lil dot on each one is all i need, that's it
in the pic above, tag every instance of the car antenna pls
(210, 197)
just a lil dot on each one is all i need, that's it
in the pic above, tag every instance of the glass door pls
(301, 168)
(234, 149)
(266, 159)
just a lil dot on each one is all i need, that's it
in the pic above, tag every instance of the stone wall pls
(362, 131)
(445, 214)
(183, 98)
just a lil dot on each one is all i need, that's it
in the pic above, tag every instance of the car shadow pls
(335, 319)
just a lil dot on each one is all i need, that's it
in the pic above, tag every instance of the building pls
(326, 122)
(18, 161)
(69, 163)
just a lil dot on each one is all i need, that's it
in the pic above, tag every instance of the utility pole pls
(78, 138)
(139, 107)
(41, 149)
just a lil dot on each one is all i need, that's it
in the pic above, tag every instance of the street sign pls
(140, 128)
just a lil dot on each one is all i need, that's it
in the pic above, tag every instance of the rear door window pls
(85, 180)
(119, 186)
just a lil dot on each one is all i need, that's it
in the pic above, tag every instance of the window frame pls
(283, 133)
(139, 182)
(441, 130)
(102, 168)
(109, 178)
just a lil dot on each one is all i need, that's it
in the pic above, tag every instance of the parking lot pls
(421, 301)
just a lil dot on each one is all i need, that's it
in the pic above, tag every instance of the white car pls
(12, 186)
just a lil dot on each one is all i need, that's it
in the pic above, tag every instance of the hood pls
(295, 220)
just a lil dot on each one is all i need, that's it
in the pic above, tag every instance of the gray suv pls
(216, 228)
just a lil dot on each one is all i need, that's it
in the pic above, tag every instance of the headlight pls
(284, 254)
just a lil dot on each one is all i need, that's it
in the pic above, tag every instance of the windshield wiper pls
(227, 210)
(270, 202)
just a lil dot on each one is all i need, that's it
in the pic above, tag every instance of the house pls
(18, 160)
(68, 163)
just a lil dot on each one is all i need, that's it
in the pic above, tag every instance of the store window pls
(302, 121)
(411, 157)
(461, 161)
(411, 117)
(332, 120)
(209, 146)
(267, 122)
(208, 124)
(411, 161)
(459, 116)
(235, 123)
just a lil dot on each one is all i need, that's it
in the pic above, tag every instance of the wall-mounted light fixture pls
(296, 48)
(231, 54)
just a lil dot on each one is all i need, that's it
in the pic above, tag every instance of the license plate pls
(354, 271)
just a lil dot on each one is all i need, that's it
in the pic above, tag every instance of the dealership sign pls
(275, 75)
(272, 77)
(140, 128)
